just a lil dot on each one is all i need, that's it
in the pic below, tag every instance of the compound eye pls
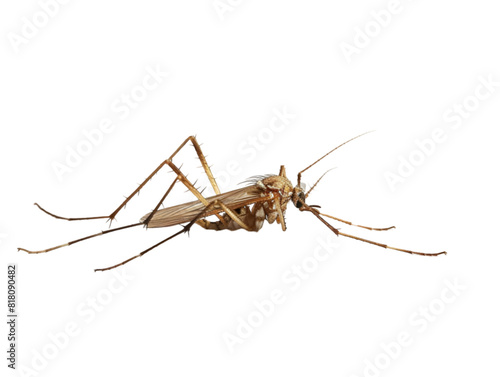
(300, 202)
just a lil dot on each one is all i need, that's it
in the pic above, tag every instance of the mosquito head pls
(298, 195)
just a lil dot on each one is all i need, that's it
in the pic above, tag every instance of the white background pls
(228, 73)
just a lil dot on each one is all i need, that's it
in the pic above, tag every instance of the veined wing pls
(183, 213)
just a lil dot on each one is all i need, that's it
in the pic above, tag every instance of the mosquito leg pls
(281, 218)
(148, 219)
(182, 178)
(120, 207)
(240, 218)
(217, 204)
(210, 225)
(211, 206)
(70, 218)
(390, 247)
(314, 211)
(80, 239)
(145, 251)
(204, 164)
(359, 226)
(112, 216)
(168, 162)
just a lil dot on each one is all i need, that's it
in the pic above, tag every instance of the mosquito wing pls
(183, 213)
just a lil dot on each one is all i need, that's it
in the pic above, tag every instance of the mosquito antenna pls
(313, 186)
(345, 142)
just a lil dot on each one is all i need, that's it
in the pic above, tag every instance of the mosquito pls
(265, 198)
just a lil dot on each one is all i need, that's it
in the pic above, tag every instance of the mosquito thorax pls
(276, 183)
